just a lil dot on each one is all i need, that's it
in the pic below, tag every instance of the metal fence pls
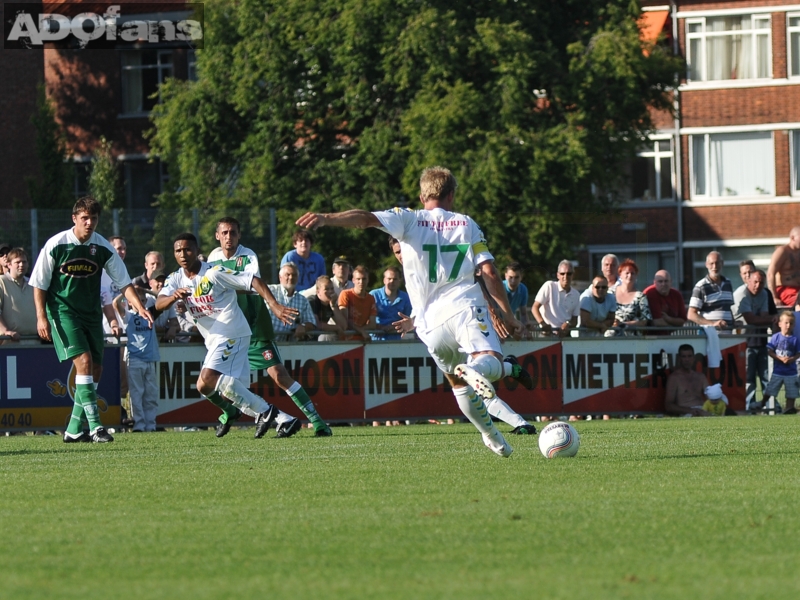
(145, 230)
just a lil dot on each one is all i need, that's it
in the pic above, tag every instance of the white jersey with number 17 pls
(441, 250)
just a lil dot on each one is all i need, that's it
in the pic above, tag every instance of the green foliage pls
(104, 180)
(653, 508)
(53, 187)
(327, 105)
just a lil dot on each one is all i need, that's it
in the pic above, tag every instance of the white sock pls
(508, 369)
(473, 408)
(487, 365)
(282, 417)
(235, 391)
(500, 410)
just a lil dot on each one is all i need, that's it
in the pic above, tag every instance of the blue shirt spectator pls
(390, 300)
(310, 265)
(517, 291)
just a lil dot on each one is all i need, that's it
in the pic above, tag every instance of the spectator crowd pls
(340, 305)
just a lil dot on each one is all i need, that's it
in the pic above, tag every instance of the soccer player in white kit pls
(441, 250)
(210, 297)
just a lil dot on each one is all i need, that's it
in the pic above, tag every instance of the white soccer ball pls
(559, 439)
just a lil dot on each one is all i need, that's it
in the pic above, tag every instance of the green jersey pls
(252, 305)
(70, 272)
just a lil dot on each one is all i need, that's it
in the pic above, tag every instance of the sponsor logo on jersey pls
(79, 267)
(93, 249)
(203, 288)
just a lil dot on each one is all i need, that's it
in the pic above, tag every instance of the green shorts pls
(72, 337)
(263, 355)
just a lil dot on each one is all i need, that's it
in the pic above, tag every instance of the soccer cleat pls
(526, 429)
(756, 407)
(497, 444)
(289, 428)
(323, 432)
(478, 382)
(223, 428)
(83, 437)
(790, 411)
(518, 373)
(264, 421)
(101, 436)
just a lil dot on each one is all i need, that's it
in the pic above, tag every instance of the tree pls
(322, 105)
(53, 188)
(104, 182)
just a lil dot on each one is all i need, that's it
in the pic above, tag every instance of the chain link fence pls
(146, 230)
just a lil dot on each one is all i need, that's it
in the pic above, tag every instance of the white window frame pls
(789, 31)
(159, 67)
(794, 174)
(657, 155)
(703, 35)
(707, 162)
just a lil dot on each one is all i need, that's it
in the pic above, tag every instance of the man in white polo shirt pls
(557, 305)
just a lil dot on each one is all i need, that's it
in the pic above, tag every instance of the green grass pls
(652, 508)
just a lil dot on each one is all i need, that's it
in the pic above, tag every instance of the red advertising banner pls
(331, 373)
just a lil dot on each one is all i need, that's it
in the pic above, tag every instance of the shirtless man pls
(783, 275)
(686, 387)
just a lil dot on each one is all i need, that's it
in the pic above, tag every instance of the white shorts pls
(229, 357)
(453, 341)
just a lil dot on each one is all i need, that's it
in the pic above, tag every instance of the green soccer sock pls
(75, 425)
(304, 403)
(228, 409)
(85, 394)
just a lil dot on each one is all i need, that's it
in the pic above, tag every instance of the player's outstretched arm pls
(133, 299)
(353, 219)
(285, 314)
(164, 301)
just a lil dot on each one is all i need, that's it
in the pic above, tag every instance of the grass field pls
(651, 508)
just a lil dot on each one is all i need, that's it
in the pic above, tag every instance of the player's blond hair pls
(437, 183)
(787, 314)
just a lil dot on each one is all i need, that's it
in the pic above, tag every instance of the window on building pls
(81, 178)
(143, 182)
(651, 172)
(142, 72)
(793, 35)
(733, 164)
(734, 47)
(795, 155)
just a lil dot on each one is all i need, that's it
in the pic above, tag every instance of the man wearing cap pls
(17, 310)
(341, 278)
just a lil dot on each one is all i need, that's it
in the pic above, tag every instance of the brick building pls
(723, 174)
(105, 91)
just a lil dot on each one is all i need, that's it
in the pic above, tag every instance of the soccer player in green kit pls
(263, 354)
(66, 291)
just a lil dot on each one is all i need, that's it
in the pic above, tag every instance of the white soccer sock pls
(473, 408)
(487, 365)
(500, 410)
(508, 369)
(235, 391)
(282, 417)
